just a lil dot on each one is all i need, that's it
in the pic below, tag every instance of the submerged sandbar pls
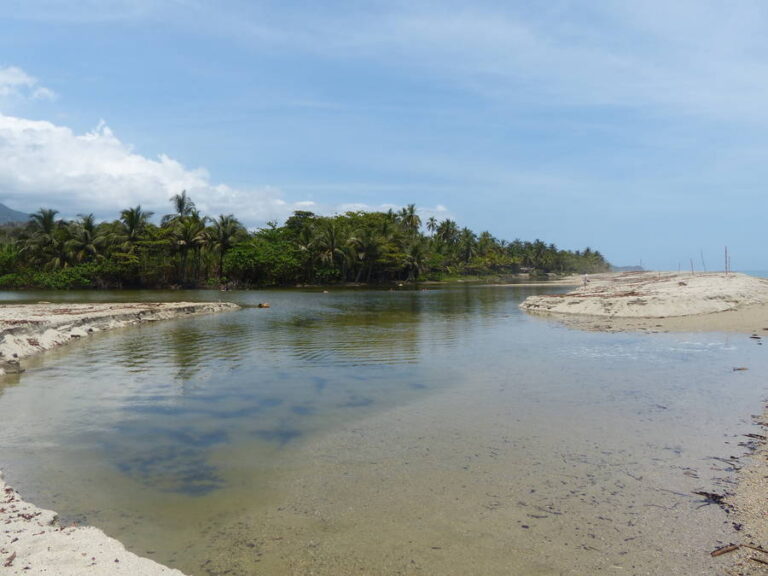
(31, 540)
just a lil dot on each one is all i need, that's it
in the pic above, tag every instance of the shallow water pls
(431, 432)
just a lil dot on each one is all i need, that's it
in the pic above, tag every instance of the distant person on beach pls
(586, 280)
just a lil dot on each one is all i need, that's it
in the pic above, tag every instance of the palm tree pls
(331, 245)
(414, 260)
(43, 221)
(183, 206)
(432, 224)
(409, 219)
(189, 236)
(467, 245)
(43, 244)
(86, 242)
(307, 243)
(133, 223)
(222, 235)
(365, 244)
(448, 232)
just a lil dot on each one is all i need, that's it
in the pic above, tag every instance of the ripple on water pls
(362, 430)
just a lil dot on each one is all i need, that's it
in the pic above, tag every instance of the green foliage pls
(189, 249)
(263, 261)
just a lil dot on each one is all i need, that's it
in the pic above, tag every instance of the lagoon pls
(437, 431)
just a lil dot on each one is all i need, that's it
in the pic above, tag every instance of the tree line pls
(188, 249)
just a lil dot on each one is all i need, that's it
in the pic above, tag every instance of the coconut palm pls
(189, 236)
(432, 224)
(183, 207)
(222, 235)
(44, 243)
(410, 220)
(467, 245)
(86, 242)
(365, 245)
(307, 243)
(132, 224)
(330, 243)
(414, 260)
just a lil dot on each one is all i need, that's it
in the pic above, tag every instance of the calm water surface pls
(424, 432)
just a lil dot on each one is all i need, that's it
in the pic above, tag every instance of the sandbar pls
(661, 302)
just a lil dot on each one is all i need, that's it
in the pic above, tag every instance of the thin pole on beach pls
(726, 260)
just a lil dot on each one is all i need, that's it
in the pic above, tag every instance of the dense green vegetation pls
(188, 249)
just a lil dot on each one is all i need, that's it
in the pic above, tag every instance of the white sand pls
(31, 541)
(661, 301)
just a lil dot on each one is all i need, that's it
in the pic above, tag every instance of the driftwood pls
(756, 548)
(724, 550)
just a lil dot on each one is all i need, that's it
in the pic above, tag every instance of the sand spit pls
(28, 329)
(32, 542)
(661, 302)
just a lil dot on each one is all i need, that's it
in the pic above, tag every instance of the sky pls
(634, 127)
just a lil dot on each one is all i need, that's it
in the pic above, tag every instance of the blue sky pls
(634, 127)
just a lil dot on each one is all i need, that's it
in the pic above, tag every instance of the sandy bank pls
(661, 302)
(28, 329)
(32, 542)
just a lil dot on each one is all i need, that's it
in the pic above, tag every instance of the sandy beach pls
(31, 540)
(661, 302)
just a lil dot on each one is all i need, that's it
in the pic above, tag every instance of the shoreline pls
(31, 539)
(32, 542)
(30, 329)
(655, 302)
(660, 302)
(748, 506)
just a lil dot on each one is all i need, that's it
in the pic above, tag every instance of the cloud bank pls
(42, 164)
(46, 165)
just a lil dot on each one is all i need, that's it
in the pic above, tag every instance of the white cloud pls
(45, 165)
(14, 82)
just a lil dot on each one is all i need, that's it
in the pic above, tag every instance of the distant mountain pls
(8, 215)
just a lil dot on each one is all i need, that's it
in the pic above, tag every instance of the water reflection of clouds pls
(165, 401)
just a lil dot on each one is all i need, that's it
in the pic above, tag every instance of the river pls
(437, 431)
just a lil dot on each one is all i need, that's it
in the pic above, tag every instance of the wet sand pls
(439, 492)
(486, 491)
(674, 302)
